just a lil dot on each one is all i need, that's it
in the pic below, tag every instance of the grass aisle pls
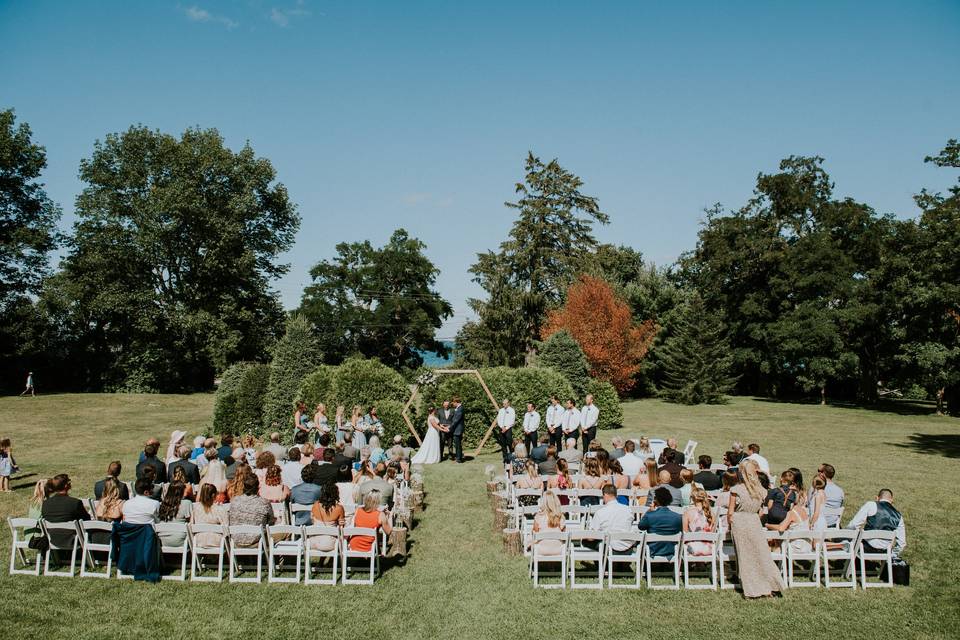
(458, 582)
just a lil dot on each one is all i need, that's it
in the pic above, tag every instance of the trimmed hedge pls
(606, 398)
(534, 384)
(318, 387)
(225, 416)
(364, 382)
(390, 412)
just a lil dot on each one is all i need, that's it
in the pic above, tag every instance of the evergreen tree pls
(697, 358)
(561, 353)
(295, 355)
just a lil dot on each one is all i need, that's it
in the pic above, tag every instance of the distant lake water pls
(433, 361)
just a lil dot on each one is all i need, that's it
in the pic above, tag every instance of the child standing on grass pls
(7, 464)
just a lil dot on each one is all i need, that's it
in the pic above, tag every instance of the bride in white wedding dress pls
(430, 450)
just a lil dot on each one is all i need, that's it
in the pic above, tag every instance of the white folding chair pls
(299, 508)
(638, 511)
(797, 550)
(726, 552)
(182, 549)
(833, 515)
(778, 552)
(629, 494)
(237, 551)
(314, 531)
(840, 545)
(711, 538)
(72, 547)
(573, 517)
(284, 541)
(372, 555)
(657, 445)
(537, 557)
(520, 493)
(589, 493)
(634, 556)
(579, 551)
(650, 559)
(688, 450)
(200, 550)
(88, 547)
(524, 524)
(883, 557)
(20, 546)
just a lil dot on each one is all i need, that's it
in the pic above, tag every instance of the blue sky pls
(380, 115)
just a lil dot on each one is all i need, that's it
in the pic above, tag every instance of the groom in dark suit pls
(446, 419)
(456, 428)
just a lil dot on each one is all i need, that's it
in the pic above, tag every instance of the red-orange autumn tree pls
(603, 325)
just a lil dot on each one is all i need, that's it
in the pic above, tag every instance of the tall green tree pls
(295, 355)
(561, 353)
(28, 220)
(546, 248)
(697, 359)
(377, 302)
(168, 275)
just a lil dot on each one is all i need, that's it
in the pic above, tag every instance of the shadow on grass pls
(944, 444)
(899, 407)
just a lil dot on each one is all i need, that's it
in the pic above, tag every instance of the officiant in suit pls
(445, 415)
(457, 427)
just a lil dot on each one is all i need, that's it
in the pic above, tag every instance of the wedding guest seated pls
(781, 499)
(730, 460)
(291, 469)
(348, 450)
(631, 463)
(643, 448)
(561, 480)
(328, 511)
(307, 492)
(234, 462)
(833, 495)
(686, 475)
(662, 521)
(343, 464)
(249, 508)
(150, 460)
(613, 517)
(645, 481)
(174, 508)
(880, 515)
(142, 508)
(518, 460)
(619, 480)
(328, 471)
(670, 465)
(376, 451)
(590, 479)
(379, 484)
(618, 450)
(201, 461)
(369, 517)
(530, 480)
(272, 488)
(706, 478)
(113, 472)
(663, 482)
(60, 506)
(226, 447)
(363, 474)
(737, 454)
(570, 452)
(277, 449)
(215, 474)
(150, 474)
(262, 462)
(207, 511)
(150, 441)
(729, 479)
(110, 503)
(249, 452)
(753, 450)
(198, 448)
(190, 470)
(677, 456)
(539, 452)
(549, 465)
(306, 454)
(180, 476)
(699, 517)
(549, 518)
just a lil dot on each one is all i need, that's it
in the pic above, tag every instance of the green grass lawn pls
(458, 582)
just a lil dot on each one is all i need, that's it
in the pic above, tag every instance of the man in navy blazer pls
(457, 426)
(662, 521)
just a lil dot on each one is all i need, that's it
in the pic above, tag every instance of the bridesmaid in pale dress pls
(759, 575)
(698, 517)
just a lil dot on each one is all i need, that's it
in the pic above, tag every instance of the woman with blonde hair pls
(643, 448)
(206, 510)
(591, 479)
(530, 480)
(549, 518)
(36, 503)
(340, 422)
(320, 421)
(235, 486)
(357, 425)
(646, 481)
(108, 508)
(699, 517)
(306, 454)
(759, 576)
(215, 473)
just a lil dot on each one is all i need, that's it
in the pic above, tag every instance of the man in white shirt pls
(589, 415)
(880, 515)
(754, 450)
(554, 417)
(506, 417)
(630, 462)
(141, 509)
(531, 422)
(570, 421)
(614, 517)
(291, 473)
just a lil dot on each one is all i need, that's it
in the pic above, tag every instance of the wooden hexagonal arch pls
(450, 372)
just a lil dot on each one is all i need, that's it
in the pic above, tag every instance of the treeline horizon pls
(166, 278)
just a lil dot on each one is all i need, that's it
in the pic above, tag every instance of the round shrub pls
(390, 412)
(364, 382)
(318, 387)
(606, 398)
(225, 417)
